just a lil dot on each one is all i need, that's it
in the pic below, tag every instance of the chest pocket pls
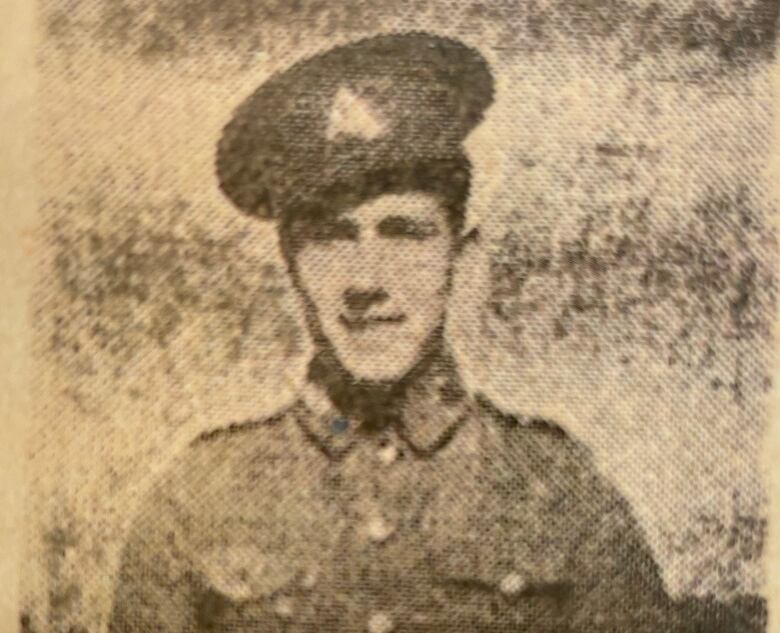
(245, 572)
(245, 589)
(500, 545)
(500, 558)
(496, 587)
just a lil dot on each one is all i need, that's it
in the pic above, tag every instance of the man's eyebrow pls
(334, 219)
(326, 227)
(409, 227)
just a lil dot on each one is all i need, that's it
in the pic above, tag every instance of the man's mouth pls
(358, 324)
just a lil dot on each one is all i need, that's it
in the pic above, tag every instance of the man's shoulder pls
(516, 428)
(220, 459)
(540, 449)
(237, 433)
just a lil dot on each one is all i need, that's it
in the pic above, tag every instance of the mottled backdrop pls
(623, 281)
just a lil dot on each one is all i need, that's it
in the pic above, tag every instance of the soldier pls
(389, 497)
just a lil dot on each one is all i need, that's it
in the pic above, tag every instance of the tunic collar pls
(426, 414)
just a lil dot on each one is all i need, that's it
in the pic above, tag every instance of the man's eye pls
(331, 230)
(400, 226)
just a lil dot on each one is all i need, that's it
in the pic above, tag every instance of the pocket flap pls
(245, 572)
(510, 571)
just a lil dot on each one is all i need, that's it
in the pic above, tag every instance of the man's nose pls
(359, 300)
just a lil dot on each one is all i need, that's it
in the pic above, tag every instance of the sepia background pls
(623, 283)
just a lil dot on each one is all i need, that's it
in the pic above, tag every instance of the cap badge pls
(353, 116)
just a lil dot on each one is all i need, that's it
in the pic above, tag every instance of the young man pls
(388, 498)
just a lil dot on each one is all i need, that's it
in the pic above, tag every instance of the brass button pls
(387, 454)
(512, 584)
(283, 607)
(379, 530)
(380, 622)
(309, 579)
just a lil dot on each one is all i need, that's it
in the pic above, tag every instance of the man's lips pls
(364, 323)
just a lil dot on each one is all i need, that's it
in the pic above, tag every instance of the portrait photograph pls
(404, 316)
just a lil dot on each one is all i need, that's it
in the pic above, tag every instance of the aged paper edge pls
(17, 197)
(17, 257)
(772, 443)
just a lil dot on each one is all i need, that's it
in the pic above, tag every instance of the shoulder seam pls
(512, 421)
(237, 427)
(556, 430)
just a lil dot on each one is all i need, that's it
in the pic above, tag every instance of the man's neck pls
(375, 405)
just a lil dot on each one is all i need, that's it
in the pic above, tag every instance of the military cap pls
(352, 117)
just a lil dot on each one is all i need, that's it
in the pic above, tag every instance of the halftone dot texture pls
(622, 285)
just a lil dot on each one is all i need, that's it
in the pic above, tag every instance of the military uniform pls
(422, 508)
(457, 518)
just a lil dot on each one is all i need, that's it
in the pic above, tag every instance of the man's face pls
(377, 278)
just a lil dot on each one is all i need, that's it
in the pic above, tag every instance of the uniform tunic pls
(460, 519)
(454, 517)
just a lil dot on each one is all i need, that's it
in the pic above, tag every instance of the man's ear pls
(470, 237)
(288, 252)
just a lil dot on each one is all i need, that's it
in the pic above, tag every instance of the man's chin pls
(383, 357)
(381, 373)
(376, 367)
